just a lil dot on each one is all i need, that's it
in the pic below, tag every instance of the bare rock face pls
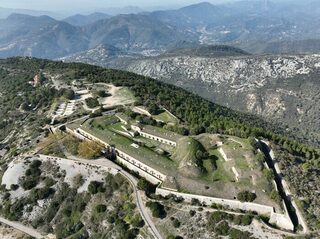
(281, 88)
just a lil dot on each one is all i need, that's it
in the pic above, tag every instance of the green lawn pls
(144, 154)
(220, 174)
(166, 117)
(161, 132)
(118, 126)
(241, 163)
(104, 121)
(153, 143)
(126, 94)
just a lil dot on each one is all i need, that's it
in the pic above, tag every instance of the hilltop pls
(61, 114)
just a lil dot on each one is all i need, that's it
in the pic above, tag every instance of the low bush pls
(176, 223)
(101, 208)
(95, 187)
(14, 187)
(237, 234)
(157, 209)
(246, 196)
(92, 102)
(222, 229)
(32, 175)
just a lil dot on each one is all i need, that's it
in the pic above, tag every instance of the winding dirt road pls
(27, 230)
(133, 181)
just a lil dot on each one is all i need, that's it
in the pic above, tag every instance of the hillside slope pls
(189, 152)
(279, 88)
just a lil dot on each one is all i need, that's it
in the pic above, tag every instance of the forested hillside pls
(25, 111)
(199, 114)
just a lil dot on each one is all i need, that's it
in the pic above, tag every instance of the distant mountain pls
(190, 16)
(132, 32)
(122, 10)
(254, 26)
(303, 46)
(5, 12)
(206, 51)
(82, 20)
(100, 55)
(46, 37)
(42, 36)
(19, 25)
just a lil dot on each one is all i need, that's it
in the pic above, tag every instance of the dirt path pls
(133, 181)
(17, 225)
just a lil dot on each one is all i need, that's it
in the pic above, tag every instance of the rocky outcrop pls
(281, 88)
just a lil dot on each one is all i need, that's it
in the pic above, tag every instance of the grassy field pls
(119, 96)
(118, 127)
(125, 94)
(104, 121)
(214, 178)
(220, 180)
(218, 174)
(161, 132)
(166, 117)
(155, 144)
(144, 154)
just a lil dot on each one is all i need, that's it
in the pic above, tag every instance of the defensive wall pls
(154, 176)
(153, 137)
(130, 162)
(281, 220)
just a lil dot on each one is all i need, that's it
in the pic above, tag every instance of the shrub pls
(176, 223)
(49, 182)
(146, 186)
(237, 234)
(195, 201)
(192, 213)
(29, 183)
(95, 187)
(129, 234)
(157, 209)
(68, 94)
(89, 149)
(137, 221)
(103, 93)
(246, 220)
(14, 187)
(222, 228)
(78, 180)
(41, 193)
(246, 196)
(6, 196)
(92, 102)
(101, 208)
(35, 164)
(275, 196)
(218, 216)
(216, 206)
(32, 175)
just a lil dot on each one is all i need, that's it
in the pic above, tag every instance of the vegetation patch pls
(157, 209)
(92, 102)
(190, 154)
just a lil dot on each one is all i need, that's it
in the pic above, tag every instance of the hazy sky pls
(87, 5)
